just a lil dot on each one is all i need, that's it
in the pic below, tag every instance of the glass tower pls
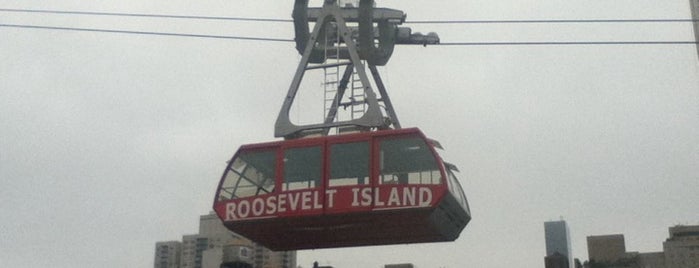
(558, 239)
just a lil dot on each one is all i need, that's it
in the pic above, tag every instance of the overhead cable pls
(562, 43)
(146, 33)
(549, 21)
(93, 13)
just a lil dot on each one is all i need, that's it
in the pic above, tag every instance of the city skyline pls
(214, 245)
(680, 250)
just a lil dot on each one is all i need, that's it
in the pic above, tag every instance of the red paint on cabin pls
(371, 188)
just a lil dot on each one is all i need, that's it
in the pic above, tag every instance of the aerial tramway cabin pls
(369, 188)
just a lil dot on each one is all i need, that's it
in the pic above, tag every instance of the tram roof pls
(339, 138)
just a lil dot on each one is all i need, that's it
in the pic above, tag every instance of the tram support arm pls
(384, 96)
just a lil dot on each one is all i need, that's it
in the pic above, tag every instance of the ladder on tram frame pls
(334, 44)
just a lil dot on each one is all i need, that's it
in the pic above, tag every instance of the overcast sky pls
(111, 142)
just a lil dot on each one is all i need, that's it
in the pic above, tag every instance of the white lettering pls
(271, 205)
(244, 208)
(281, 204)
(409, 196)
(230, 211)
(425, 197)
(258, 206)
(393, 199)
(294, 201)
(331, 197)
(377, 198)
(306, 200)
(366, 197)
(316, 201)
(355, 197)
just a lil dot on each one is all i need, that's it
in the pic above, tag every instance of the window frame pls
(240, 176)
(281, 179)
(379, 164)
(370, 161)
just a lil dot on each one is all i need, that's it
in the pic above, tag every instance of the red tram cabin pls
(372, 188)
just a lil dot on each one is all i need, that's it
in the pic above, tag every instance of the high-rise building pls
(558, 240)
(215, 247)
(682, 247)
(167, 254)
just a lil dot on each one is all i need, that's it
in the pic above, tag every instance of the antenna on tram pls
(352, 37)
